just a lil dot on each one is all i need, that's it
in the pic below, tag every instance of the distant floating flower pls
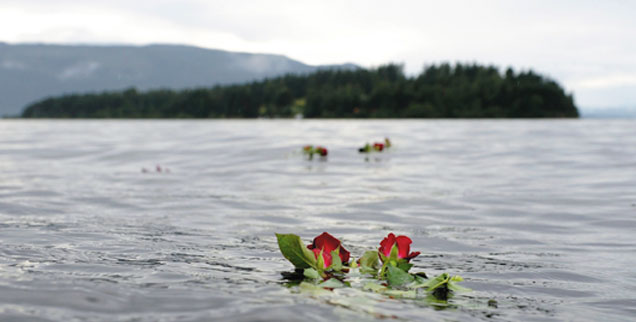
(365, 149)
(310, 150)
(377, 146)
(322, 151)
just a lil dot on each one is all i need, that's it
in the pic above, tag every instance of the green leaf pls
(295, 251)
(442, 280)
(369, 263)
(419, 279)
(452, 284)
(320, 264)
(375, 287)
(336, 262)
(313, 290)
(332, 283)
(311, 273)
(435, 282)
(457, 278)
(370, 259)
(398, 277)
(370, 271)
(393, 257)
(405, 266)
(456, 288)
(392, 260)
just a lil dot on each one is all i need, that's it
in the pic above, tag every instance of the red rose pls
(378, 146)
(403, 245)
(327, 244)
(322, 151)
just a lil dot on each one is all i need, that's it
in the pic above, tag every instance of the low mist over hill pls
(30, 72)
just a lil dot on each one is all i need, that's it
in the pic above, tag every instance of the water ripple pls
(538, 216)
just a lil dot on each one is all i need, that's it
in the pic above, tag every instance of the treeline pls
(440, 91)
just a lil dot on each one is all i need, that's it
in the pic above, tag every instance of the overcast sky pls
(587, 46)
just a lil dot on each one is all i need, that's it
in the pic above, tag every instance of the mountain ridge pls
(33, 71)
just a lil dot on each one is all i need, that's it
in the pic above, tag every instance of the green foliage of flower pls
(398, 277)
(311, 273)
(384, 271)
(369, 262)
(295, 251)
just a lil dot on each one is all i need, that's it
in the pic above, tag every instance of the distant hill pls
(443, 91)
(31, 72)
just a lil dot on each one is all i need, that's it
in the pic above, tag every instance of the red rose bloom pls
(327, 244)
(378, 146)
(403, 245)
(322, 151)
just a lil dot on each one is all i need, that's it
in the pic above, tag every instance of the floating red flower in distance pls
(322, 151)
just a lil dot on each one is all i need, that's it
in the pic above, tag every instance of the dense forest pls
(440, 91)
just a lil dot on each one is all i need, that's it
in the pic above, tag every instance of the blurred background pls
(586, 46)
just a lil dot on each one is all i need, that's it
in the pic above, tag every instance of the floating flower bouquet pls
(310, 150)
(376, 147)
(326, 264)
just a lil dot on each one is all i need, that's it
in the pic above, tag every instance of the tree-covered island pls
(440, 91)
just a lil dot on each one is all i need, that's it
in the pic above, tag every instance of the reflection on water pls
(537, 216)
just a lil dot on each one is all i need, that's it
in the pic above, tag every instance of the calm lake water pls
(539, 216)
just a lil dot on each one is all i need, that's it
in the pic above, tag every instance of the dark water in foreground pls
(537, 215)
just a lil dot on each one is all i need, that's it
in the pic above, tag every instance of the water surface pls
(539, 216)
